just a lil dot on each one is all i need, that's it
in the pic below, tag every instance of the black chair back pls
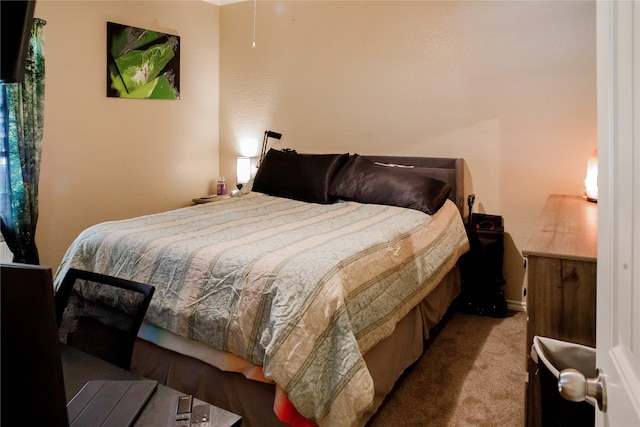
(101, 314)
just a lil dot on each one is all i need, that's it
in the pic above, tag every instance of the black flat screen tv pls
(16, 19)
(32, 382)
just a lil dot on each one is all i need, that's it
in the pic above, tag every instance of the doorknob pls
(573, 386)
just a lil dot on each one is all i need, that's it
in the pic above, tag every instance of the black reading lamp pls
(267, 134)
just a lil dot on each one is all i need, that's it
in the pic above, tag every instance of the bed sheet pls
(299, 289)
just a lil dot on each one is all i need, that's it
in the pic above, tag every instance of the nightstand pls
(209, 199)
(561, 273)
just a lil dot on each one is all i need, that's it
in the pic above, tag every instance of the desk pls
(79, 367)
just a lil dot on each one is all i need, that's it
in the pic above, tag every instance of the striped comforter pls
(301, 289)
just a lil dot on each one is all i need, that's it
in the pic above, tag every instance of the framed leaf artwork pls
(142, 64)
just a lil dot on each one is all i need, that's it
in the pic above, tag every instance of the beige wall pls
(106, 158)
(508, 86)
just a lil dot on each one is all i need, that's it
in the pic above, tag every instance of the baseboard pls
(516, 305)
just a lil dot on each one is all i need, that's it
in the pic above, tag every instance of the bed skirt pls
(254, 400)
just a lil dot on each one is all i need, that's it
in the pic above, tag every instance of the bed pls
(302, 300)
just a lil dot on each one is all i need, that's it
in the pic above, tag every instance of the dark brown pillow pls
(363, 181)
(441, 174)
(304, 177)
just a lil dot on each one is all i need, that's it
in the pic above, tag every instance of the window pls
(4, 160)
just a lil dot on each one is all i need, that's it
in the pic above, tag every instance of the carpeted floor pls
(472, 374)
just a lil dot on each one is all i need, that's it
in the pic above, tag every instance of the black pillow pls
(363, 181)
(304, 177)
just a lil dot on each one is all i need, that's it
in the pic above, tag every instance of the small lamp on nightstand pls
(591, 181)
(243, 171)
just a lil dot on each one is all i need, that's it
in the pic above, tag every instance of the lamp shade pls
(243, 170)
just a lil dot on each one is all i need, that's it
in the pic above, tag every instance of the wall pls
(508, 86)
(106, 158)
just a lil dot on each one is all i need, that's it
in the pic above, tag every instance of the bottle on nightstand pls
(222, 186)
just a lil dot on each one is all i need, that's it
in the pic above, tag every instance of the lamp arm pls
(267, 134)
(264, 147)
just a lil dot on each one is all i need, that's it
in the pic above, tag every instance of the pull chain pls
(254, 24)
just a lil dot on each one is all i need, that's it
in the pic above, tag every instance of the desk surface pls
(79, 367)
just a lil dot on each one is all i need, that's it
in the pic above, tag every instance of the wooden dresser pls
(561, 273)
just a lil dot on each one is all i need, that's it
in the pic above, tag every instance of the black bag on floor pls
(481, 267)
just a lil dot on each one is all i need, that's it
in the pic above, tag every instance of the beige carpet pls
(472, 374)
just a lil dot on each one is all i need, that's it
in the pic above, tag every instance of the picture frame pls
(142, 64)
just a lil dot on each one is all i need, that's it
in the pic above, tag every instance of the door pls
(618, 300)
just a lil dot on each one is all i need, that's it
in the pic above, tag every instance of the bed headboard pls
(450, 170)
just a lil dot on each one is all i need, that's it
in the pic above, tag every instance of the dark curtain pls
(22, 108)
